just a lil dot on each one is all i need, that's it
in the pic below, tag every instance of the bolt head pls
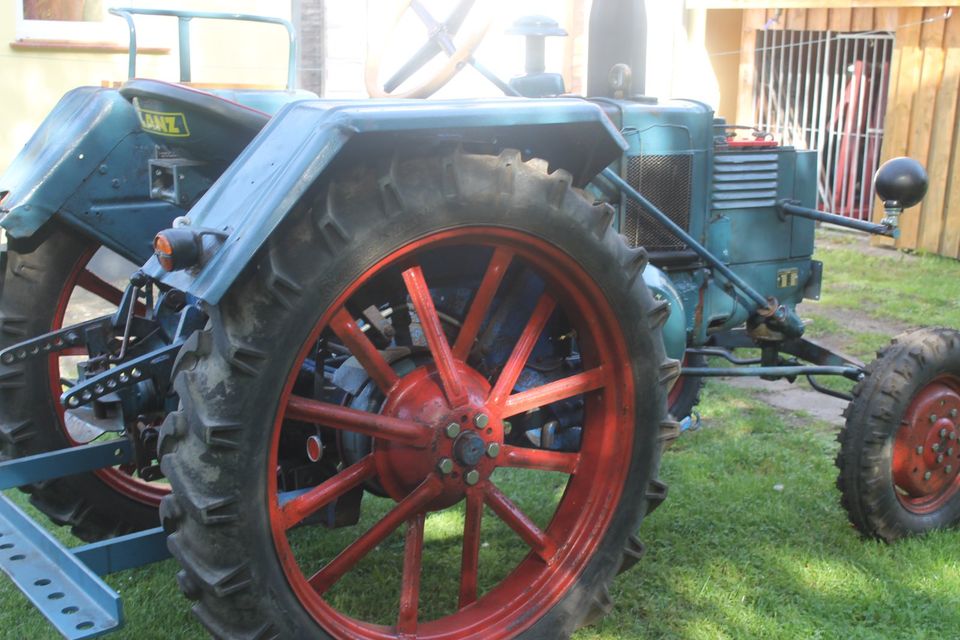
(933, 418)
(507, 427)
(919, 450)
(493, 449)
(940, 459)
(452, 430)
(472, 477)
(950, 452)
(927, 475)
(481, 420)
(943, 433)
(935, 446)
(445, 466)
(948, 469)
(953, 413)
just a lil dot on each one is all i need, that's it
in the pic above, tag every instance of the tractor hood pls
(291, 154)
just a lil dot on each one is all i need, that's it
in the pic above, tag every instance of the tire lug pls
(481, 420)
(472, 477)
(493, 449)
(452, 430)
(445, 466)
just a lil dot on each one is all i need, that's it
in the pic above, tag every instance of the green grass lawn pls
(751, 543)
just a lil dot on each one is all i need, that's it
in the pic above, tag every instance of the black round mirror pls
(902, 181)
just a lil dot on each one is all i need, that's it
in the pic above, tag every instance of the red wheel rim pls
(82, 278)
(926, 453)
(411, 439)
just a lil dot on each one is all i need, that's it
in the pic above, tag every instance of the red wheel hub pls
(441, 432)
(926, 456)
(459, 444)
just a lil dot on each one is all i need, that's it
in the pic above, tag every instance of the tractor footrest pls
(71, 596)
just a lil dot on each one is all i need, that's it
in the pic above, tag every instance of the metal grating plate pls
(667, 181)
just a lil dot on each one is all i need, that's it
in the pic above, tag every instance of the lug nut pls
(943, 433)
(472, 477)
(481, 420)
(452, 430)
(507, 427)
(493, 449)
(950, 452)
(919, 450)
(949, 469)
(940, 459)
(953, 413)
(933, 418)
(927, 475)
(445, 466)
(935, 446)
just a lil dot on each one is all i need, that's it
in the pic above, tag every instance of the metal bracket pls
(55, 341)
(156, 364)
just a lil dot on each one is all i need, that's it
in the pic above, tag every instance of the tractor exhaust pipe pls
(618, 35)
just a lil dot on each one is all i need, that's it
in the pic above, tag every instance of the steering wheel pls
(441, 35)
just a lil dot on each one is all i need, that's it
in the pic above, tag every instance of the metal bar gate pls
(828, 91)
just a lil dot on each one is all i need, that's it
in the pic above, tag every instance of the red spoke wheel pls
(900, 454)
(500, 319)
(61, 282)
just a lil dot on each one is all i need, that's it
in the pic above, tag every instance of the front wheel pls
(900, 448)
(409, 361)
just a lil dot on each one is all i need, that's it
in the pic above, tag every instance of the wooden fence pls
(922, 115)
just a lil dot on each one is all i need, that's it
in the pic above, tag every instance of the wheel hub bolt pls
(950, 452)
(919, 450)
(953, 413)
(949, 469)
(927, 475)
(936, 446)
(445, 466)
(940, 459)
(481, 420)
(933, 418)
(472, 477)
(452, 430)
(493, 449)
(943, 433)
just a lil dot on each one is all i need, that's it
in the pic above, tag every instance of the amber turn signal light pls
(177, 249)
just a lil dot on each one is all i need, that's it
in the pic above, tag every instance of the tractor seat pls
(201, 125)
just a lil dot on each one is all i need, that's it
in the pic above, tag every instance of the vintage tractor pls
(360, 313)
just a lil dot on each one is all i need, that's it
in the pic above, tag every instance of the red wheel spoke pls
(410, 587)
(349, 557)
(363, 350)
(436, 338)
(555, 391)
(344, 418)
(99, 287)
(323, 494)
(537, 459)
(469, 564)
(481, 302)
(73, 351)
(524, 527)
(524, 347)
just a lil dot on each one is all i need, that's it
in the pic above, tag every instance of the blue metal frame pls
(183, 33)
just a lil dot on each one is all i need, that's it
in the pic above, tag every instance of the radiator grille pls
(667, 182)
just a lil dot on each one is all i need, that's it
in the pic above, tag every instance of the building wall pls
(35, 78)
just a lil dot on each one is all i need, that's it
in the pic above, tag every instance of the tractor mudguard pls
(87, 164)
(305, 139)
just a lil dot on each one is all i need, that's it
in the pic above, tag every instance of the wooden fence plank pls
(862, 20)
(950, 240)
(841, 19)
(921, 115)
(942, 143)
(818, 19)
(796, 19)
(885, 19)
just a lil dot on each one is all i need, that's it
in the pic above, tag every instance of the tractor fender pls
(675, 328)
(87, 165)
(305, 140)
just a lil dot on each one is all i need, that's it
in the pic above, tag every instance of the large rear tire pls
(41, 287)
(439, 435)
(899, 458)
